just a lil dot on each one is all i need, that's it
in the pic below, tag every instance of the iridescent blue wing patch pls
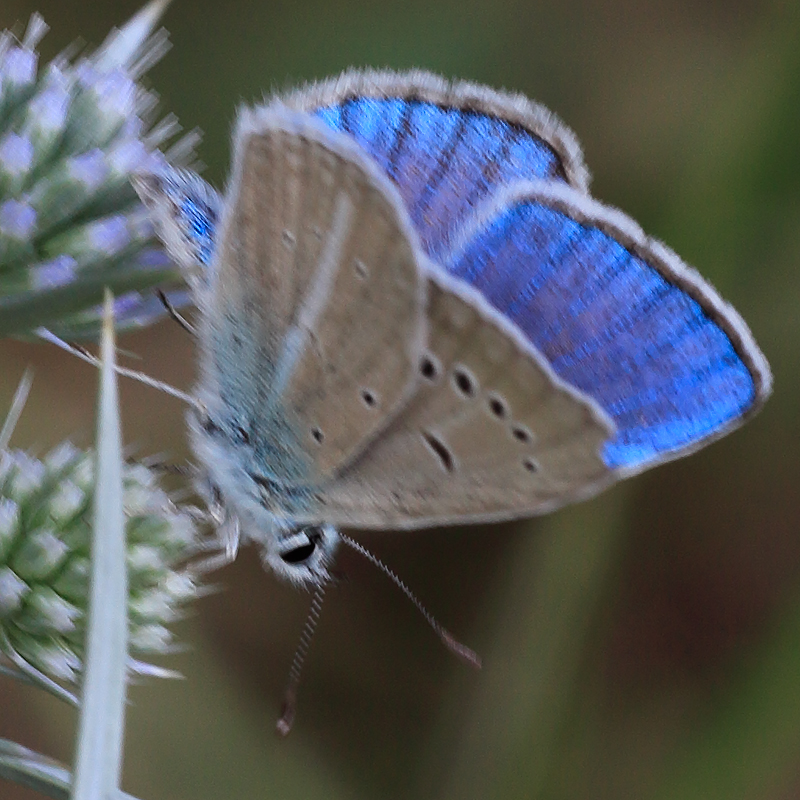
(447, 146)
(558, 348)
(618, 316)
(185, 211)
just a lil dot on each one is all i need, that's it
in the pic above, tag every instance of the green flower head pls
(72, 133)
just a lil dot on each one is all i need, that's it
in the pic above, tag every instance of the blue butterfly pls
(413, 313)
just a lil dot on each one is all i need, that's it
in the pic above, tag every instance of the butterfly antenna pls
(452, 644)
(290, 697)
(83, 354)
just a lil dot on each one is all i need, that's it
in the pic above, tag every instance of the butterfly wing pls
(185, 211)
(314, 323)
(491, 433)
(616, 356)
(566, 349)
(618, 316)
(447, 146)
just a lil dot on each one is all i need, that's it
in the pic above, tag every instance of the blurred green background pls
(645, 644)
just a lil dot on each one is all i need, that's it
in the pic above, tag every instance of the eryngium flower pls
(71, 135)
(45, 534)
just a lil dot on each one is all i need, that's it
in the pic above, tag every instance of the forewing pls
(447, 145)
(315, 323)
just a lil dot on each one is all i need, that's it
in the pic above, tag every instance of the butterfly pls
(412, 313)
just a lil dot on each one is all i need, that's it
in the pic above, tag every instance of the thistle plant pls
(71, 135)
(45, 531)
(95, 563)
(95, 557)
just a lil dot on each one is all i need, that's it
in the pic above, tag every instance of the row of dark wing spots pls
(465, 383)
(467, 386)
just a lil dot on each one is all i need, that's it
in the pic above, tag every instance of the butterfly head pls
(235, 482)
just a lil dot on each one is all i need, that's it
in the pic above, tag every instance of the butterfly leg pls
(175, 315)
(224, 543)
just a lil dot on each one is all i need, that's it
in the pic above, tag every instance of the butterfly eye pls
(301, 551)
(299, 554)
